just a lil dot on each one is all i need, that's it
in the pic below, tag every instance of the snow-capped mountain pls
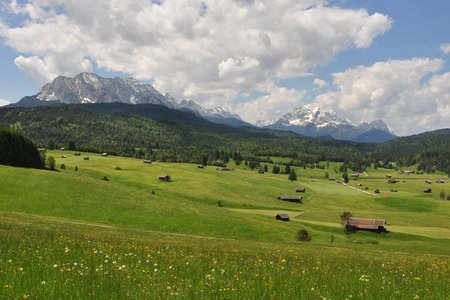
(92, 88)
(312, 121)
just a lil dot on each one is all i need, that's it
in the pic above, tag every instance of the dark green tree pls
(292, 175)
(345, 177)
(50, 163)
(71, 145)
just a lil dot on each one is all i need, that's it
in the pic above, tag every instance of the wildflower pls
(55, 266)
(66, 250)
(10, 261)
(155, 270)
(43, 282)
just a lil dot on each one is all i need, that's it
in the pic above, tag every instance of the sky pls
(364, 59)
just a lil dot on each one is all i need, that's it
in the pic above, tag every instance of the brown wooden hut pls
(164, 177)
(366, 224)
(147, 161)
(282, 217)
(288, 198)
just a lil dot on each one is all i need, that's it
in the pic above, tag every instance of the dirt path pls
(356, 189)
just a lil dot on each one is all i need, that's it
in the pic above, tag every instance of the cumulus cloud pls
(4, 102)
(208, 50)
(445, 48)
(319, 83)
(397, 91)
(273, 104)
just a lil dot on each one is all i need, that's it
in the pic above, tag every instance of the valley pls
(181, 221)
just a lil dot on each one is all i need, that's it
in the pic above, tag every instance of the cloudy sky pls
(366, 59)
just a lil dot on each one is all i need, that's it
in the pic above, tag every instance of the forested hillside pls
(16, 150)
(158, 132)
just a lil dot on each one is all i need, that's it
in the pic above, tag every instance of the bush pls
(50, 163)
(303, 236)
(105, 178)
(62, 167)
(118, 168)
(346, 215)
(220, 203)
(442, 195)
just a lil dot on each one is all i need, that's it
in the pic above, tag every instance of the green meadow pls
(213, 234)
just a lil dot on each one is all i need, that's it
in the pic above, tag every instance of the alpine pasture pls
(213, 234)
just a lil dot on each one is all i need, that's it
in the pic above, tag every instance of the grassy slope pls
(188, 205)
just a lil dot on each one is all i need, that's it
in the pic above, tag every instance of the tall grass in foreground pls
(54, 261)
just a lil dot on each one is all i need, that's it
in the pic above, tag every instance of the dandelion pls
(155, 270)
(66, 250)
(55, 266)
(43, 282)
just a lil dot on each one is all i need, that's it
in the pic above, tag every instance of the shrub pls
(442, 195)
(50, 163)
(118, 168)
(303, 235)
(220, 203)
(346, 215)
(105, 178)
(62, 167)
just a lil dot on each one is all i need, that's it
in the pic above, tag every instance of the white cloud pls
(445, 48)
(210, 51)
(4, 102)
(275, 103)
(319, 83)
(396, 91)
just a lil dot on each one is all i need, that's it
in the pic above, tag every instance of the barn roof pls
(287, 197)
(365, 223)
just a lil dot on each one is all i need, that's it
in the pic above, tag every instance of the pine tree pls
(292, 175)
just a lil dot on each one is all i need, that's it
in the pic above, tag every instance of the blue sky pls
(185, 51)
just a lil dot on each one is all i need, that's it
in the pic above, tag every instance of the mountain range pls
(89, 88)
(310, 120)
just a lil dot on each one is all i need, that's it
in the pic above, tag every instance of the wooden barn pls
(164, 177)
(377, 225)
(428, 181)
(300, 190)
(282, 217)
(287, 198)
(392, 181)
(427, 190)
(224, 169)
(147, 161)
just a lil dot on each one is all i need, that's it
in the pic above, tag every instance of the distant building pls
(224, 169)
(300, 190)
(147, 161)
(408, 172)
(366, 224)
(392, 181)
(164, 177)
(282, 217)
(287, 198)
(427, 190)
(86, 158)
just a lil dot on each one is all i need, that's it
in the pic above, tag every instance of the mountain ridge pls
(310, 120)
(91, 88)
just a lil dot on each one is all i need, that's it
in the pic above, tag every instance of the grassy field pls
(202, 250)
